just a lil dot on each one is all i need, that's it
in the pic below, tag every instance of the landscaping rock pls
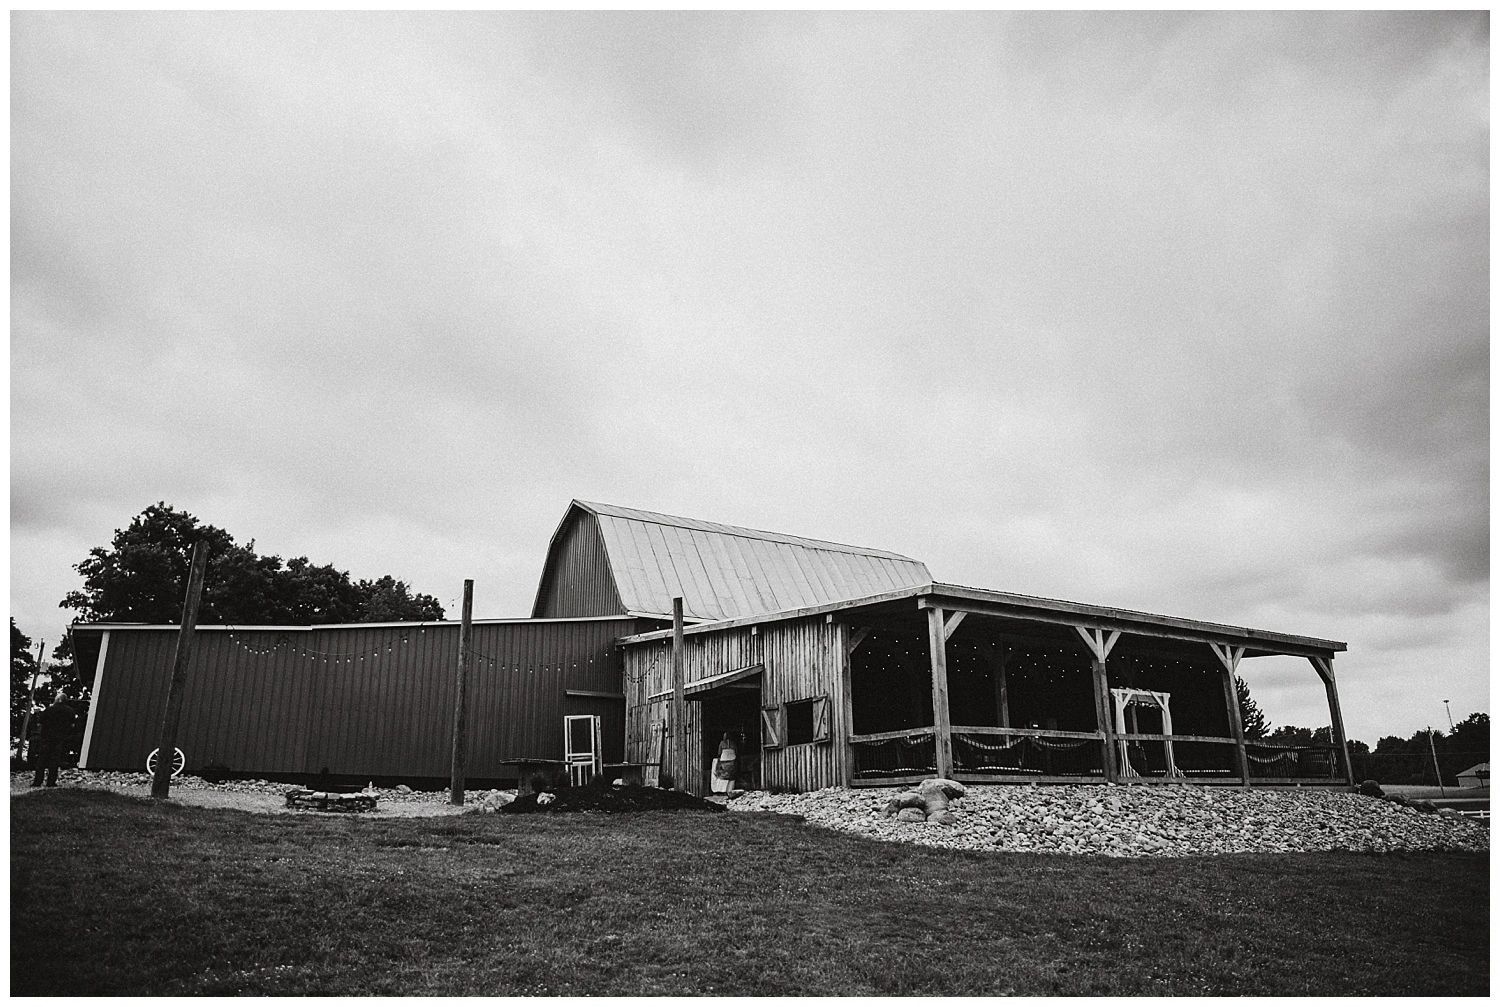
(1137, 821)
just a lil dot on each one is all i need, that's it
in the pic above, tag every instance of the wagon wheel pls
(178, 761)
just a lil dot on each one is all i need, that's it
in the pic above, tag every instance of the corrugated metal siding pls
(722, 572)
(576, 578)
(803, 659)
(375, 701)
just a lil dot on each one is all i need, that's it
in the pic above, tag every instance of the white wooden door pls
(583, 751)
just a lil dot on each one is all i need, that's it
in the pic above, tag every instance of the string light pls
(405, 635)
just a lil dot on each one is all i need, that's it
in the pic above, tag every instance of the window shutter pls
(822, 719)
(770, 727)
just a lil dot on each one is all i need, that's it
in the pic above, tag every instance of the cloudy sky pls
(1177, 313)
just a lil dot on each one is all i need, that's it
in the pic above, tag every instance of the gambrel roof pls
(606, 559)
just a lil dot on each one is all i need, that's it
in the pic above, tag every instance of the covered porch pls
(989, 687)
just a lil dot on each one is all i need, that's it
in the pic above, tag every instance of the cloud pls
(1180, 312)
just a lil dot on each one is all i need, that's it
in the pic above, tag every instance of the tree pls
(22, 667)
(63, 674)
(390, 600)
(1288, 734)
(1472, 736)
(1251, 718)
(142, 577)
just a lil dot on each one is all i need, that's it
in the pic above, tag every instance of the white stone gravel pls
(1138, 821)
(263, 795)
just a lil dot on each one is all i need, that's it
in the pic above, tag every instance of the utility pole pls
(166, 746)
(460, 698)
(24, 748)
(1438, 772)
(1450, 715)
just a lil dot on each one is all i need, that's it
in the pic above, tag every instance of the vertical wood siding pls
(363, 701)
(577, 579)
(803, 659)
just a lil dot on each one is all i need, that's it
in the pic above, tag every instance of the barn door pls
(656, 744)
(583, 752)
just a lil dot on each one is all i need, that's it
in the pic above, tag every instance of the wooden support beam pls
(679, 700)
(1098, 641)
(1106, 723)
(182, 656)
(1324, 668)
(1100, 645)
(1229, 657)
(852, 639)
(1002, 688)
(951, 626)
(943, 735)
(459, 764)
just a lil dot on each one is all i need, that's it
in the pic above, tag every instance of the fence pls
(1413, 768)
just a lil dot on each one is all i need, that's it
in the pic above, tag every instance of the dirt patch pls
(609, 800)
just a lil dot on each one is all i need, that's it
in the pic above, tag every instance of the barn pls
(653, 637)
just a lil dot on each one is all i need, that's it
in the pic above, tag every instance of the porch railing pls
(1027, 752)
(891, 754)
(1288, 762)
(1032, 753)
(1193, 757)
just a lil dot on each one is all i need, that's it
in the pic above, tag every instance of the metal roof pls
(725, 572)
(1022, 606)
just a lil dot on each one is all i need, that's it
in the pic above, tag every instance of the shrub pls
(1370, 788)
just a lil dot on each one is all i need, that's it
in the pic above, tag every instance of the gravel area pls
(264, 796)
(1138, 821)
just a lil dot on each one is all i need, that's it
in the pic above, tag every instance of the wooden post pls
(679, 701)
(166, 745)
(460, 701)
(1100, 646)
(1002, 686)
(23, 750)
(1106, 721)
(851, 639)
(942, 739)
(1229, 659)
(1324, 668)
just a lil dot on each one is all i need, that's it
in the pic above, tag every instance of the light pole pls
(1450, 715)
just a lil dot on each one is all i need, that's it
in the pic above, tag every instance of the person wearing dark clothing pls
(54, 730)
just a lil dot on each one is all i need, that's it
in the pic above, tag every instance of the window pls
(808, 721)
(799, 723)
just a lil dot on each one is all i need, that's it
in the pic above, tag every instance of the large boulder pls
(930, 798)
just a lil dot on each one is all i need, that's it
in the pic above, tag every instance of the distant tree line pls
(141, 576)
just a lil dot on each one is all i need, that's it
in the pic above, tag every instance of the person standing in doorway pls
(725, 765)
(54, 730)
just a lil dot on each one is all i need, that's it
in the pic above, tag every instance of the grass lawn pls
(114, 895)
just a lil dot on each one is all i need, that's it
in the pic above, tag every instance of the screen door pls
(583, 751)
